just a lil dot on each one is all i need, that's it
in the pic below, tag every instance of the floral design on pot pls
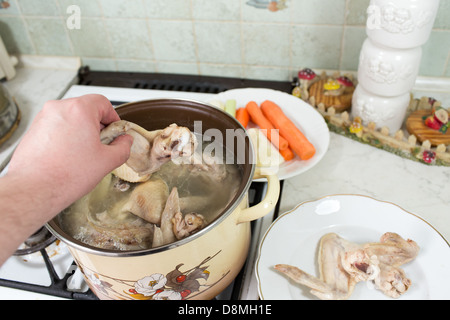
(175, 285)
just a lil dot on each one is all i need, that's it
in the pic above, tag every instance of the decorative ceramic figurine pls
(386, 71)
(389, 111)
(390, 59)
(401, 24)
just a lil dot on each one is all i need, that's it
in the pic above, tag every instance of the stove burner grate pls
(172, 82)
(36, 242)
(58, 286)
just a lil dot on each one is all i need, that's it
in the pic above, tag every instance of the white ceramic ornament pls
(383, 111)
(401, 24)
(386, 71)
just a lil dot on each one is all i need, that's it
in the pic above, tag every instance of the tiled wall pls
(232, 38)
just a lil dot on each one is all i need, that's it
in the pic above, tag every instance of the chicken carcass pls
(150, 149)
(342, 264)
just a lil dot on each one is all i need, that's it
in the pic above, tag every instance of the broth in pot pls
(179, 199)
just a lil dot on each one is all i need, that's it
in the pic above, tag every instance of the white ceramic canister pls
(383, 111)
(386, 71)
(401, 24)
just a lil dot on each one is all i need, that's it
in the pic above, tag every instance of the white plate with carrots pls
(300, 126)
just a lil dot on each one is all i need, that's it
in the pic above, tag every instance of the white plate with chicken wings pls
(310, 266)
(303, 115)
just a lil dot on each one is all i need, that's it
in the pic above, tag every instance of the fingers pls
(119, 150)
(102, 106)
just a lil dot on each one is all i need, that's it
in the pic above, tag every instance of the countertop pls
(38, 80)
(349, 167)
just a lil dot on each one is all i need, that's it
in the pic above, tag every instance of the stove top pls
(51, 270)
(174, 82)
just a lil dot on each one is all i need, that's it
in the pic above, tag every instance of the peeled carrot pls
(242, 116)
(287, 154)
(267, 127)
(297, 140)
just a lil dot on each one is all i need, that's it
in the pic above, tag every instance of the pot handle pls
(266, 205)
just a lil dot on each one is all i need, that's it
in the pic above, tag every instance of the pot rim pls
(59, 233)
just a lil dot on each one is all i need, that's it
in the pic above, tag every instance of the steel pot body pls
(202, 265)
(9, 115)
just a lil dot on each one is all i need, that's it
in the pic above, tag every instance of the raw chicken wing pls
(342, 264)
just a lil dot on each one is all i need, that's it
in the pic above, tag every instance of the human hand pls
(62, 149)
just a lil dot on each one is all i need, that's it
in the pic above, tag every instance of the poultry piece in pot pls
(103, 224)
(210, 168)
(174, 226)
(150, 149)
(342, 264)
(164, 234)
(147, 200)
(184, 226)
(117, 233)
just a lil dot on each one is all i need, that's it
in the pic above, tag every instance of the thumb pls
(119, 149)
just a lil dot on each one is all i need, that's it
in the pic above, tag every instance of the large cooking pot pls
(9, 115)
(201, 265)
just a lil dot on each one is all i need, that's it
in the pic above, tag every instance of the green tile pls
(435, 54)
(318, 12)
(266, 44)
(221, 70)
(443, 16)
(266, 73)
(49, 36)
(352, 44)
(168, 9)
(316, 46)
(220, 37)
(218, 42)
(176, 67)
(13, 9)
(250, 13)
(96, 64)
(14, 34)
(218, 10)
(135, 65)
(122, 9)
(357, 12)
(38, 8)
(88, 8)
(91, 40)
(129, 38)
(173, 40)
(447, 70)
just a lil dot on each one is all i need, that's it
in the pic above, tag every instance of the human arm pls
(59, 160)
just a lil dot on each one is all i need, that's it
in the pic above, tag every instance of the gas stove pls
(42, 267)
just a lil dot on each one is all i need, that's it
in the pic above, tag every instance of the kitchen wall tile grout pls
(242, 17)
